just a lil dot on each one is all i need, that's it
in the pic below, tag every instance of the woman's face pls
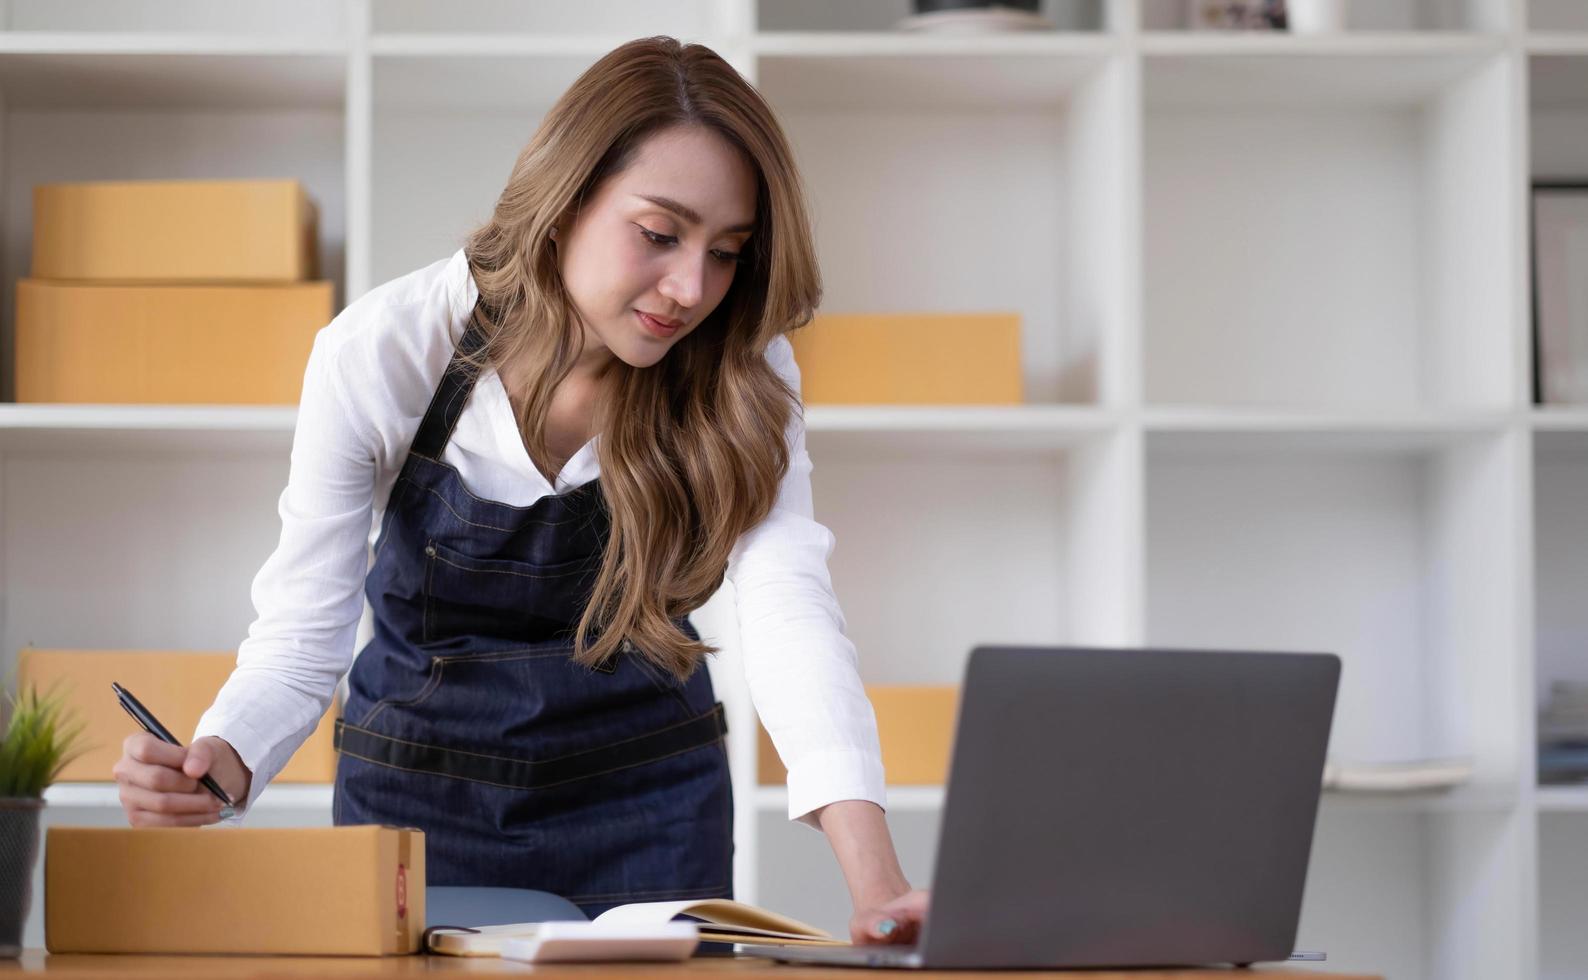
(660, 238)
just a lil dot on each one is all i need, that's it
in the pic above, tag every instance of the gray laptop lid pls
(1120, 807)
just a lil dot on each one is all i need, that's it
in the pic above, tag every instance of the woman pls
(579, 425)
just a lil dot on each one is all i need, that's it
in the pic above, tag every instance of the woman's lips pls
(655, 326)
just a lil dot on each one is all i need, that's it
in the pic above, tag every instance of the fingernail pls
(228, 812)
(886, 927)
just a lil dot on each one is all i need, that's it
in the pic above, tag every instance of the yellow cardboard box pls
(108, 344)
(910, 359)
(175, 231)
(317, 890)
(177, 686)
(915, 724)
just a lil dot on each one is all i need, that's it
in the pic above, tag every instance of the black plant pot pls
(19, 850)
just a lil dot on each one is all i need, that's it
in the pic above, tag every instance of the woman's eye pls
(662, 241)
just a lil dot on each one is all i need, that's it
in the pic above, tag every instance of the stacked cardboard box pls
(910, 359)
(915, 724)
(170, 292)
(177, 686)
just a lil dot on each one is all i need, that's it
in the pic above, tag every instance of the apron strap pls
(446, 405)
(701, 730)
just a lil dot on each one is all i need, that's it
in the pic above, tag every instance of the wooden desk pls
(78, 966)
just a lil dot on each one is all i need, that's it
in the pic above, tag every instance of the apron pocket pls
(500, 598)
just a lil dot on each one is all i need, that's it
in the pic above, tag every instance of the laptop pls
(1121, 808)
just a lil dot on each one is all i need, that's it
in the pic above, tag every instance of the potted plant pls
(38, 739)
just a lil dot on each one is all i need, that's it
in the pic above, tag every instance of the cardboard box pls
(316, 890)
(175, 231)
(212, 345)
(178, 687)
(915, 724)
(910, 359)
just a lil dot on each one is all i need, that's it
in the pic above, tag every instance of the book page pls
(737, 916)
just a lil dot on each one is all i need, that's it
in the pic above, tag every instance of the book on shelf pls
(1408, 776)
(720, 920)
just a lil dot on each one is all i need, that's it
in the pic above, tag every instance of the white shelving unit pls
(1275, 300)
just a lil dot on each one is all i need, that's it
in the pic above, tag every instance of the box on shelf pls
(177, 686)
(119, 344)
(356, 890)
(915, 724)
(910, 359)
(175, 231)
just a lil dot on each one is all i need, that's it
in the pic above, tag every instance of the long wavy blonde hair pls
(692, 450)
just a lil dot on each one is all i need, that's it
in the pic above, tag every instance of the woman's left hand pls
(871, 925)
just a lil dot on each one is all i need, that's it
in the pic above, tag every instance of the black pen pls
(152, 725)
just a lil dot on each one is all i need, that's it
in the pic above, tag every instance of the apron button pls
(627, 646)
(430, 550)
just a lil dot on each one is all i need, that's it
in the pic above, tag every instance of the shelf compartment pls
(310, 17)
(892, 147)
(684, 19)
(136, 112)
(166, 565)
(1560, 574)
(1562, 895)
(987, 85)
(1020, 550)
(465, 115)
(208, 73)
(1253, 160)
(1386, 555)
(1425, 16)
(1557, 15)
(1397, 894)
(855, 16)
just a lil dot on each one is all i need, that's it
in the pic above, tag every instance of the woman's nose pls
(685, 282)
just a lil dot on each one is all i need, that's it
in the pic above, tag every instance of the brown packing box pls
(915, 724)
(910, 359)
(318, 890)
(175, 230)
(178, 687)
(80, 342)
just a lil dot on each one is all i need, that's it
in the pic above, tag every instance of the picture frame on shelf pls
(1235, 15)
(1559, 251)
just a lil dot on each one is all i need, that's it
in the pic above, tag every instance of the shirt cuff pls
(824, 777)
(251, 746)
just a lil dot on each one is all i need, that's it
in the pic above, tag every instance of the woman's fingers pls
(162, 779)
(137, 798)
(898, 921)
(143, 747)
(145, 818)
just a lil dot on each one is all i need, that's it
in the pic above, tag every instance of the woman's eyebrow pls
(686, 212)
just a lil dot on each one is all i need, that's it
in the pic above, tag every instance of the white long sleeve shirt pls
(370, 377)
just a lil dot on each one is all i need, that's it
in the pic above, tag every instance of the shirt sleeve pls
(800, 667)
(308, 596)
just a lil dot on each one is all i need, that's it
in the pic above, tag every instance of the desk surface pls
(78, 966)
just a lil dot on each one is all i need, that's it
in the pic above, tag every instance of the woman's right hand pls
(160, 781)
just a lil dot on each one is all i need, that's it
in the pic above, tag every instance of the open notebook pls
(722, 921)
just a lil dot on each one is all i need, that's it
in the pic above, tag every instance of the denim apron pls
(467, 718)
